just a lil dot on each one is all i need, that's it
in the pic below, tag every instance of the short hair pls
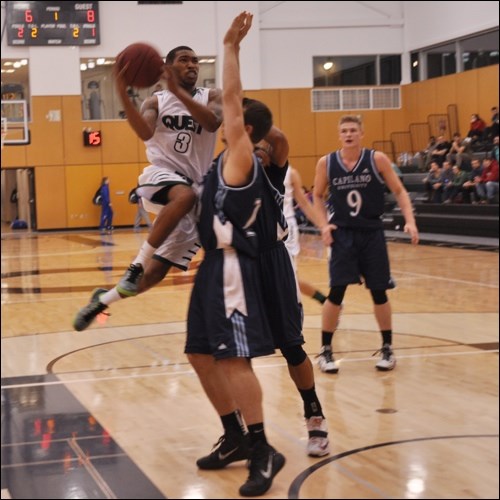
(169, 59)
(259, 116)
(351, 119)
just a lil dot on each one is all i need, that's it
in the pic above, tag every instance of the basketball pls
(144, 65)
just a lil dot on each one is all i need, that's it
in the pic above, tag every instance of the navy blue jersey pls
(227, 316)
(271, 223)
(228, 213)
(356, 196)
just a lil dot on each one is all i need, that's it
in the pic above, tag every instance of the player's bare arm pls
(301, 199)
(210, 116)
(238, 160)
(143, 123)
(319, 192)
(398, 190)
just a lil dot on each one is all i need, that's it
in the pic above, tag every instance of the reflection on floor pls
(53, 448)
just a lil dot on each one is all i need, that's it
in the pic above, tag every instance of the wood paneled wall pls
(68, 173)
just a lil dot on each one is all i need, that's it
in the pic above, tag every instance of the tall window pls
(441, 61)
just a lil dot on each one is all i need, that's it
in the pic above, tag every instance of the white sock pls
(145, 254)
(110, 296)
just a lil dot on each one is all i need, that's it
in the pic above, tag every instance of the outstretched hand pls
(238, 29)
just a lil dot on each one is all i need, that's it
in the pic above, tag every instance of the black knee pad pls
(294, 355)
(336, 295)
(379, 297)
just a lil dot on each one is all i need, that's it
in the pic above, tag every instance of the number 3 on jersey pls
(182, 142)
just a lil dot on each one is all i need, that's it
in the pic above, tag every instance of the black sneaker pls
(265, 463)
(228, 449)
(128, 285)
(87, 314)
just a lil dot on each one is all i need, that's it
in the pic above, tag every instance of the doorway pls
(18, 196)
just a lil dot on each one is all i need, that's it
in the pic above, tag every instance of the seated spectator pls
(492, 131)
(460, 151)
(495, 151)
(446, 178)
(453, 189)
(474, 177)
(423, 158)
(440, 150)
(433, 184)
(476, 131)
(487, 188)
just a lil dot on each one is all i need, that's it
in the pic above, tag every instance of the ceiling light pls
(328, 65)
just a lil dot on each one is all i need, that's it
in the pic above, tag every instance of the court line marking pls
(258, 366)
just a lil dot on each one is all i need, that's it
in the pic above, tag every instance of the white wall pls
(278, 51)
(429, 23)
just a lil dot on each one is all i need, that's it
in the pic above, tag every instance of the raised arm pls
(209, 116)
(238, 161)
(144, 122)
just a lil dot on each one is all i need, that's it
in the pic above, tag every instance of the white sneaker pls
(326, 362)
(318, 444)
(387, 361)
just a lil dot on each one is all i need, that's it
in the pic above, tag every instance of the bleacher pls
(475, 221)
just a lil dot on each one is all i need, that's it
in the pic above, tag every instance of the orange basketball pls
(144, 64)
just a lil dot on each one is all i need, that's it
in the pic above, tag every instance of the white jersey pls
(292, 242)
(288, 209)
(180, 144)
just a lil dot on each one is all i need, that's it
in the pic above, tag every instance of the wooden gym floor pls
(117, 412)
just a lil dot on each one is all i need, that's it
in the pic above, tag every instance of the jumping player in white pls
(179, 128)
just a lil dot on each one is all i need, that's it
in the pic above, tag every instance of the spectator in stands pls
(492, 131)
(495, 151)
(440, 150)
(476, 130)
(424, 157)
(446, 179)
(460, 151)
(474, 177)
(487, 188)
(433, 184)
(454, 188)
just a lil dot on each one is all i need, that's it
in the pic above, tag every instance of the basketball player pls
(227, 324)
(293, 192)
(179, 128)
(355, 178)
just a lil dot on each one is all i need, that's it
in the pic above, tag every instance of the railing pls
(404, 144)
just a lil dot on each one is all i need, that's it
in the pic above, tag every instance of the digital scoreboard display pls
(52, 23)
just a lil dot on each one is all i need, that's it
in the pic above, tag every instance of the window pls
(99, 97)
(337, 71)
(441, 61)
(479, 51)
(456, 55)
(415, 67)
(15, 80)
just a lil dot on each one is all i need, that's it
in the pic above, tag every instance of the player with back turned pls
(227, 324)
